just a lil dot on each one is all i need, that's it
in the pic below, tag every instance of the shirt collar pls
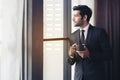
(85, 28)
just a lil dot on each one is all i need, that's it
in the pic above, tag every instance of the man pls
(89, 49)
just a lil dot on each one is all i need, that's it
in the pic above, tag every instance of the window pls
(57, 28)
(53, 40)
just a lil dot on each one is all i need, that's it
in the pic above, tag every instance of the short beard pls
(80, 24)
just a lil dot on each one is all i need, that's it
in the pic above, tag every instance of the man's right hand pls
(72, 50)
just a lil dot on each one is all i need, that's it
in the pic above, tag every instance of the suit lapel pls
(78, 36)
(89, 35)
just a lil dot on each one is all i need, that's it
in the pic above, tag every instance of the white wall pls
(11, 12)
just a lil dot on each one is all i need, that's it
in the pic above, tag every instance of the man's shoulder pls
(73, 33)
(96, 29)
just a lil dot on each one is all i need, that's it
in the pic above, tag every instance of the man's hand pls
(84, 53)
(72, 50)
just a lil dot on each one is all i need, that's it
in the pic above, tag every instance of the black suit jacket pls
(91, 68)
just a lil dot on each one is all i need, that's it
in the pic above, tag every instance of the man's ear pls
(85, 17)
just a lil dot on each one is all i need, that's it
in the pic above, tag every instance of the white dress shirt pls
(86, 30)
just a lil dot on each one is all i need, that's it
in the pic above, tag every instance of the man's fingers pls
(74, 45)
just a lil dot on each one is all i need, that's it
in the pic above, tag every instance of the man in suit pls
(89, 48)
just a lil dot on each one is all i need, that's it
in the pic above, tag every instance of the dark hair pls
(84, 10)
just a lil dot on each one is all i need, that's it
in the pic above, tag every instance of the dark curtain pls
(108, 17)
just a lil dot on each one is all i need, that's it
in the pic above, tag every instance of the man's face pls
(77, 18)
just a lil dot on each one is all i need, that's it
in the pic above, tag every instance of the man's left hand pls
(84, 54)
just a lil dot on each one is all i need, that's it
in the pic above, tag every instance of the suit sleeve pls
(70, 60)
(105, 52)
